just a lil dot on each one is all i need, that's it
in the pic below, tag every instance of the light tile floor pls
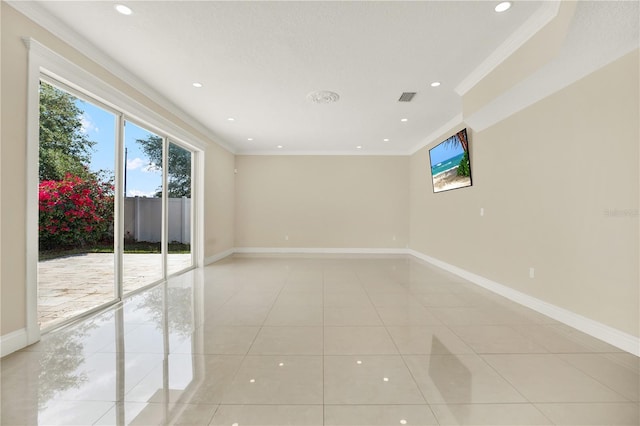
(333, 341)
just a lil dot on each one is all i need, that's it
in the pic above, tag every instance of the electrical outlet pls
(286, 237)
(481, 211)
(532, 273)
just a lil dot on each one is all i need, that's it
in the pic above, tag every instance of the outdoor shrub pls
(74, 212)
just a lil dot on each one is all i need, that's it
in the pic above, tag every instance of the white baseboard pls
(216, 257)
(13, 341)
(305, 250)
(16, 340)
(608, 334)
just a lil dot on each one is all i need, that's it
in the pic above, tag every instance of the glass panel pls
(179, 209)
(76, 206)
(142, 258)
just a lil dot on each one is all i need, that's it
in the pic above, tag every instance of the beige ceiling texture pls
(258, 62)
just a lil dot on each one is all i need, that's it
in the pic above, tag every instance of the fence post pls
(136, 219)
(185, 226)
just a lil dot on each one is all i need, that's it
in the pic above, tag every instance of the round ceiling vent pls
(323, 97)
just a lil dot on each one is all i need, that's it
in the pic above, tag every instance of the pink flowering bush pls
(74, 212)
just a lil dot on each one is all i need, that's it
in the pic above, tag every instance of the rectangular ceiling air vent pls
(406, 96)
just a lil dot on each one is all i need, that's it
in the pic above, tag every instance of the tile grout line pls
(586, 373)
(323, 354)
(479, 355)
(404, 362)
(449, 327)
(426, 403)
(244, 357)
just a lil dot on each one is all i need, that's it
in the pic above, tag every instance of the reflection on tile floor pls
(333, 341)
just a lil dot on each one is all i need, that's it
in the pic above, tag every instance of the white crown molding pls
(434, 136)
(36, 13)
(362, 153)
(611, 335)
(535, 23)
(437, 134)
(14, 341)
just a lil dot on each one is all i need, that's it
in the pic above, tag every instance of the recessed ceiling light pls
(252, 381)
(358, 362)
(279, 147)
(231, 119)
(404, 120)
(121, 8)
(281, 364)
(196, 84)
(385, 140)
(249, 139)
(435, 84)
(403, 422)
(385, 379)
(359, 147)
(501, 7)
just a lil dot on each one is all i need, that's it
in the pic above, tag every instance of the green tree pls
(460, 138)
(464, 168)
(64, 147)
(179, 173)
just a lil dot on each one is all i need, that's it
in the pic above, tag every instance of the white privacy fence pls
(143, 219)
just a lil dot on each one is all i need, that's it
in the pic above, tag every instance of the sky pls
(143, 179)
(441, 152)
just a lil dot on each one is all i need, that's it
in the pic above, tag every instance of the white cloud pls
(152, 168)
(135, 163)
(87, 124)
(137, 193)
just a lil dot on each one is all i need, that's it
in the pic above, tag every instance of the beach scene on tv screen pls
(450, 166)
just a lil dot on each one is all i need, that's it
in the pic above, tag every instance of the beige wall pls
(322, 202)
(219, 201)
(219, 236)
(546, 178)
(13, 158)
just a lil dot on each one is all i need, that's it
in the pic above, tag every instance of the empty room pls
(320, 213)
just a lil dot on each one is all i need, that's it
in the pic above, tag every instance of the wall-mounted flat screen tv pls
(450, 164)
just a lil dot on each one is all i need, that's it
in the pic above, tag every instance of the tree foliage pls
(179, 173)
(74, 212)
(75, 204)
(464, 169)
(459, 139)
(64, 147)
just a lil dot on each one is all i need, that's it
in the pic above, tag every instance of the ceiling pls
(258, 61)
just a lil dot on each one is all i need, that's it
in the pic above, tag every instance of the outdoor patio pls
(70, 285)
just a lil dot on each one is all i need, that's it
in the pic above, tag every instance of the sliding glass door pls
(142, 259)
(179, 208)
(115, 206)
(76, 171)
